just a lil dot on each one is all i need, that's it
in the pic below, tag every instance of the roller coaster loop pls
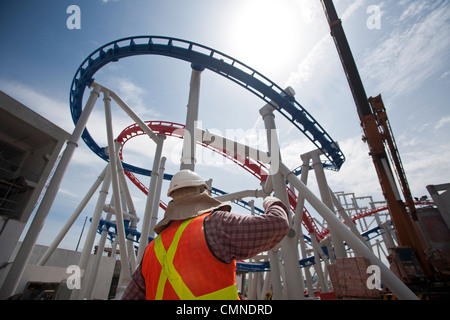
(201, 57)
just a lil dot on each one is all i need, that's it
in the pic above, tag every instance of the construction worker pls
(199, 239)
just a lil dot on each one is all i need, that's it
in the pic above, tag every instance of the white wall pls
(56, 270)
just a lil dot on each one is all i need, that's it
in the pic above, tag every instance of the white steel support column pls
(339, 249)
(145, 230)
(24, 253)
(289, 250)
(129, 237)
(259, 285)
(252, 285)
(318, 265)
(62, 233)
(242, 194)
(266, 284)
(188, 158)
(113, 245)
(386, 233)
(309, 283)
(154, 217)
(321, 179)
(98, 258)
(89, 242)
(124, 270)
(126, 192)
(387, 277)
(275, 274)
(127, 204)
(299, 218)
(251, 203)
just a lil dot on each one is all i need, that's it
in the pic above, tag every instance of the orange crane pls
(380, 139)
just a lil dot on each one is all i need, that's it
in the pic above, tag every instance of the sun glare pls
(264, 33)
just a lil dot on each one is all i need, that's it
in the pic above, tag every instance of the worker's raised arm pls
(233, 236)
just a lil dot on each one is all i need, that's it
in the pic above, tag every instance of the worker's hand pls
(268, 200)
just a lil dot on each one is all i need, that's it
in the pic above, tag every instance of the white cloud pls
(426, 164)
(309, 11)
(310, 64)
(318, 57)
(444, 75)
(134, 96)
(412, 52)
(69, 193)
(355, 5)
(442, 122)
(413, 10)
(358, 174)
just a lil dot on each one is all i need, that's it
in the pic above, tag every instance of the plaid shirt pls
(231, 236)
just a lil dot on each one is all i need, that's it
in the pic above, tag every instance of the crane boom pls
(379, 137)
(379, 110)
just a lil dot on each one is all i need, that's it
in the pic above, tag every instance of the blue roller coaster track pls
(200, 57)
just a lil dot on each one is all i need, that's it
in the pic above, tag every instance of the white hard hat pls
(185, 178)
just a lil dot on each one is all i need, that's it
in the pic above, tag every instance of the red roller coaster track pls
(256, 168)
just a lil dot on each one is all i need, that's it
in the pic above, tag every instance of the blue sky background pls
(407, 60)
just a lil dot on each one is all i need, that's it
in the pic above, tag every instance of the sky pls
(401, 48)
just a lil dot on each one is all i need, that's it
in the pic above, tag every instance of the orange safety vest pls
(178, 265)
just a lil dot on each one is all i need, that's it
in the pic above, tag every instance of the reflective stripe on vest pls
(170, 273)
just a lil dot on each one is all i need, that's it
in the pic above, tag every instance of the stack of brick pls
(349, 278)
